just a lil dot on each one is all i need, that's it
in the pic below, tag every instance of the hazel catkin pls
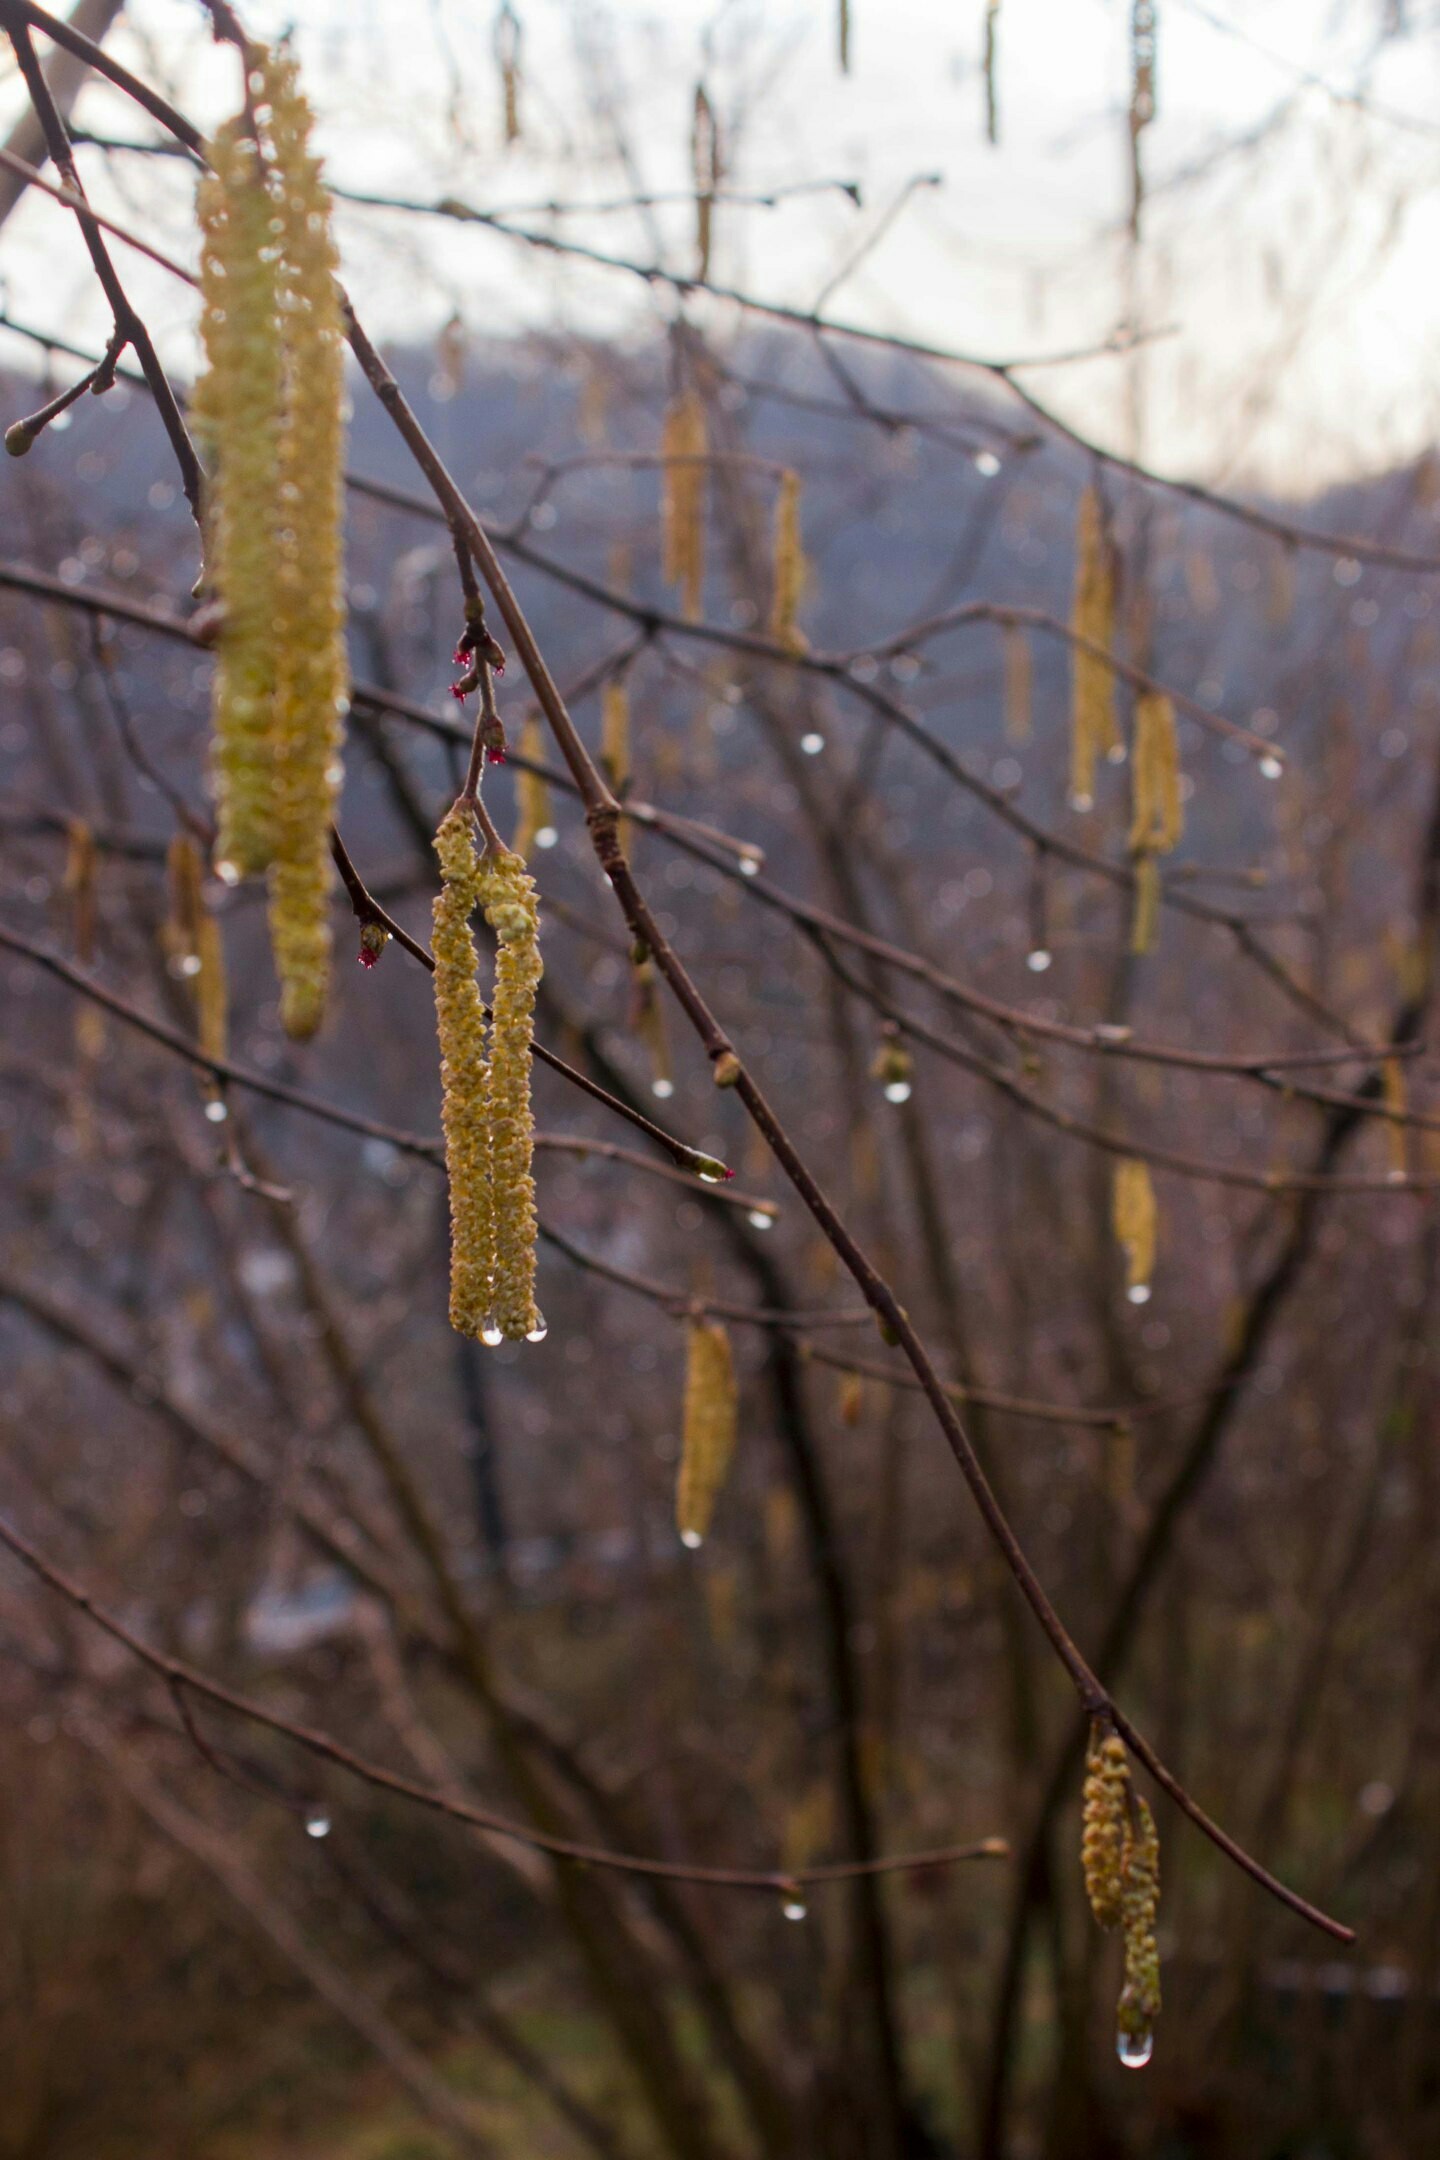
(1107, 1782)
(708, 1439)
(507, 895)
(460, 1019)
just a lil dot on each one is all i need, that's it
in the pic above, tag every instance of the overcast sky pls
(1288, 266)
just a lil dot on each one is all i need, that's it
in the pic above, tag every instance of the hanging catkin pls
(791, 568)
(237, 412)
(1134, 1216)
(992, 98)
(507, 895)
(709, 1429)
(80, 867)
(311, 673)
(615, 733)
(1093, 731)
(1102, 1841)
(1157, 817)
(705, 164)
(1140, 1897)
(683, 444)
(1017, 685)
(508, 37)
(268, 407)
(460, 1018)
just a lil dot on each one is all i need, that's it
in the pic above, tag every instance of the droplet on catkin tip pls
(1082, 802)
(491, 1335)
(540, 1330)
(794, 1907)
(759, 1219)
(691, 1539)
(317, 1822)
(897, 1091)
(216, 1112)
(812, 744)
(1139, 1293)
(1271, 766)
(546, 837)
(664, 1089)
(228, 873)
(1135, 2048)
(749, 866)
(1038, 959)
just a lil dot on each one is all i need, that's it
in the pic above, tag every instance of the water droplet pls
(188, 964)
(546, 836)
(663, 1088)
(1135, 2048)
(1139, 1293)
(1038, 960)
(897, 1091)
(749, 867)
(1271, 766)
(987, 463)
(1115, 755)
(490, 1335)
(759, 1220)
(216, 1112)
(228, 873)
(1082, 802)
(691, 1539)
(317, 1822)
(812, 744)
(794, 1907)
(539, 1331)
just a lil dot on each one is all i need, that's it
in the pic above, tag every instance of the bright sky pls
(1290, 240)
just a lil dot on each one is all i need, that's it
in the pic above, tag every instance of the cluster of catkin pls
(1120, 1857)
(708, 1439)
(1157, 818)
(269, 408)
(1094, 732)
(485, 1074)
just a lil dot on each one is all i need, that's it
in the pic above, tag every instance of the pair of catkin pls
(1093, 729)
(1120, 1858)
(708, 1436)
(485, 1075)
(269, 407)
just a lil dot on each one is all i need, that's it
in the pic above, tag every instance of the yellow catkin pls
(212, 1000)
(1017, 685)
(1157, 815)
(1140, 1899)
(1102, 1841)
(532, 791)
(842, 36)
(80, 867)
(683, 447)
(1145, 921)
(791, 569)
(705, 164)
(312, 678)
(649, 1022)
(1135, 1217)
(1392, 1079)
(460, 1019)
(615, 733)
(194, 946)
(852, 1398)
(507, 895)
(709, 1429)
(237, 412)
(1093, 730)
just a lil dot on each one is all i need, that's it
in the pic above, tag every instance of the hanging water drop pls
(216, 1112)
(793, 1906)
(1271, 766)
(1139, 1293)
(1038, 960)
(546, 837)
(227, 873)
(1082, 802)
(812, 744)
(317, 1822)
(188, 964)
(663, 1088)
(1135, 2048)
(897, 1091)
(760, 1219)
(749, 866)
(691, 1539)
(490, 1335)
(539, 1331)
